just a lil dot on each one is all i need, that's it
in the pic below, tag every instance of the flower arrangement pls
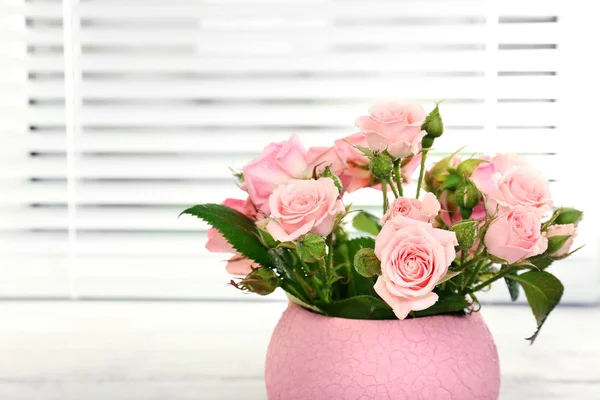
(479, 220)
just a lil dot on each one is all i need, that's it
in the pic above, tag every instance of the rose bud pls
(466, 233)
(262, 281)
(381, 166)
(433, 125)
(560, 239)
(311, 247)
(467, 195)
(366, 263)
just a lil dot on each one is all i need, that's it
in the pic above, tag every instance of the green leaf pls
(568, 216)
(541, 261)
(513, 288)
(358, 307)
(556, 242)
(543, 291)
(363, 242)
(447, 303)
(283, 262)
(368, 223)
(449, 275)
(302, 304)
(451, 182)
(469, 166)
(238, 229)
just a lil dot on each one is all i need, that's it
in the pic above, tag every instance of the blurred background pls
(117, 114)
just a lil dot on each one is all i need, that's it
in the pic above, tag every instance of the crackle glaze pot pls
(313, 357)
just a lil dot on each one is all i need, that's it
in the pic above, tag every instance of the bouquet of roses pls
(479, 220)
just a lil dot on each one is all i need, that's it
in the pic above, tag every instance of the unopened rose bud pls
(433, 125)
(381, 166)
(328, 173)
(366, 263)
(262, 281)
(466, 233)
(311, 248)
(467, 195)
(466, 213)
(560, 239)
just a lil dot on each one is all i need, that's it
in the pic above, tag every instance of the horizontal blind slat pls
(309, 37)
(373, 62)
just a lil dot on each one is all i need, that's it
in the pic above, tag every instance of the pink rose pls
(237, 265)
(509, 181)
(421, 210)
(562, 230)
(302, 206)
(278, 163)
(357, 174)
(240, 266)
(414, 257)
(482, 176)
(409, 166)
(395, 127)
(515, 235)
(321, 157)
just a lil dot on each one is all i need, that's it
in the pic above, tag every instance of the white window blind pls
(162, 96)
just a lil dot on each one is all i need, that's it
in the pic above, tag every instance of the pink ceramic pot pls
(313, 357)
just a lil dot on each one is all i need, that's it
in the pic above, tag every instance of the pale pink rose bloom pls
(425, 209)
(278, 163)
(482, 176)
(414, 257)
(509, 180)
(562, 230)
(237, 265)
(321, 157)
(395, 127)
(524, 186)
(302, 206)
(409, 168)
(356, 175)
(515, 235)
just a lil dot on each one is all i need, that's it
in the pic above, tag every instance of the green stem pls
(473, 277)
(291, 289)
(463, 257)
(329, 266)
(398, 177)
(493, 279)
(421, 172)
(386, 204)
(317, 283)
(394, 190)
(475, 260)
(306, 288)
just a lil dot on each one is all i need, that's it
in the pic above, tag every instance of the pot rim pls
(292, 305)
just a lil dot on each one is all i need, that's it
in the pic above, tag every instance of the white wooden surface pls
(202, 350)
